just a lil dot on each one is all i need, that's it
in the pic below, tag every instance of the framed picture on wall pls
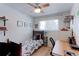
(19, 23)
(36, 25)
(25, 24)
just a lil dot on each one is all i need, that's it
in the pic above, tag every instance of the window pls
(49, 25)
(42, 25)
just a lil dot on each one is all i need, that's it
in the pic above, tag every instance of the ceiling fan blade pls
(44, 5)
(31, 5)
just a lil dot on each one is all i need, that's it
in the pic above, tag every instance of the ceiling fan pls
(38, 7)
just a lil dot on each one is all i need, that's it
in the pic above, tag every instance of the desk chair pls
(53, 44)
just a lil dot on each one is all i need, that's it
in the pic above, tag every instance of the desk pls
(61, 45)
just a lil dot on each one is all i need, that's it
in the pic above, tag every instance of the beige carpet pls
(42, 51)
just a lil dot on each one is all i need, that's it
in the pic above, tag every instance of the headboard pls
(10, 48)
(38, 35)
(15, 48)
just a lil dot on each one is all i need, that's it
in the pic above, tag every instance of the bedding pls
(27, 49)
(31, 46)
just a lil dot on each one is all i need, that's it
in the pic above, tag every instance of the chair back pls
(52, 42)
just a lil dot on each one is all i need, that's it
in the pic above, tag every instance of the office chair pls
(53, 44)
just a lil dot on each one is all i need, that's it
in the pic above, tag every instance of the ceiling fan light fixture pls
(37, 10)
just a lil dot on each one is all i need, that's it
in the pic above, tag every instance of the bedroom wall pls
(59, 16)
(15, 33)
(75, 25)
(55, 34)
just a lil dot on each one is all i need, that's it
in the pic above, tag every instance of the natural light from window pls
(49, 25)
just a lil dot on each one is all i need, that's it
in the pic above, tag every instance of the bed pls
(31, 46)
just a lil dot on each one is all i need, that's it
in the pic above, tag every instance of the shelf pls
(3, 18)
(63, 29)
(69, 17)
(3, 29)
(67, 21)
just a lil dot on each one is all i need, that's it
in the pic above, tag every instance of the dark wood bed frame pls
(10, 48)
(38, 35)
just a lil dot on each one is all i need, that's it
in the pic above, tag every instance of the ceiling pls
(52, 9)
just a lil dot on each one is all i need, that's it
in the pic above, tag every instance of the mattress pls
(31, 46)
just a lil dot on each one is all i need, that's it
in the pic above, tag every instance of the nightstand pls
(45, 41)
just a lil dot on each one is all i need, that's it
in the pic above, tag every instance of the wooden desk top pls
(61, 45)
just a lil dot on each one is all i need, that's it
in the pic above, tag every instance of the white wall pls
(57, 35)
(14, 33)
(59, 16)
(74, 11)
